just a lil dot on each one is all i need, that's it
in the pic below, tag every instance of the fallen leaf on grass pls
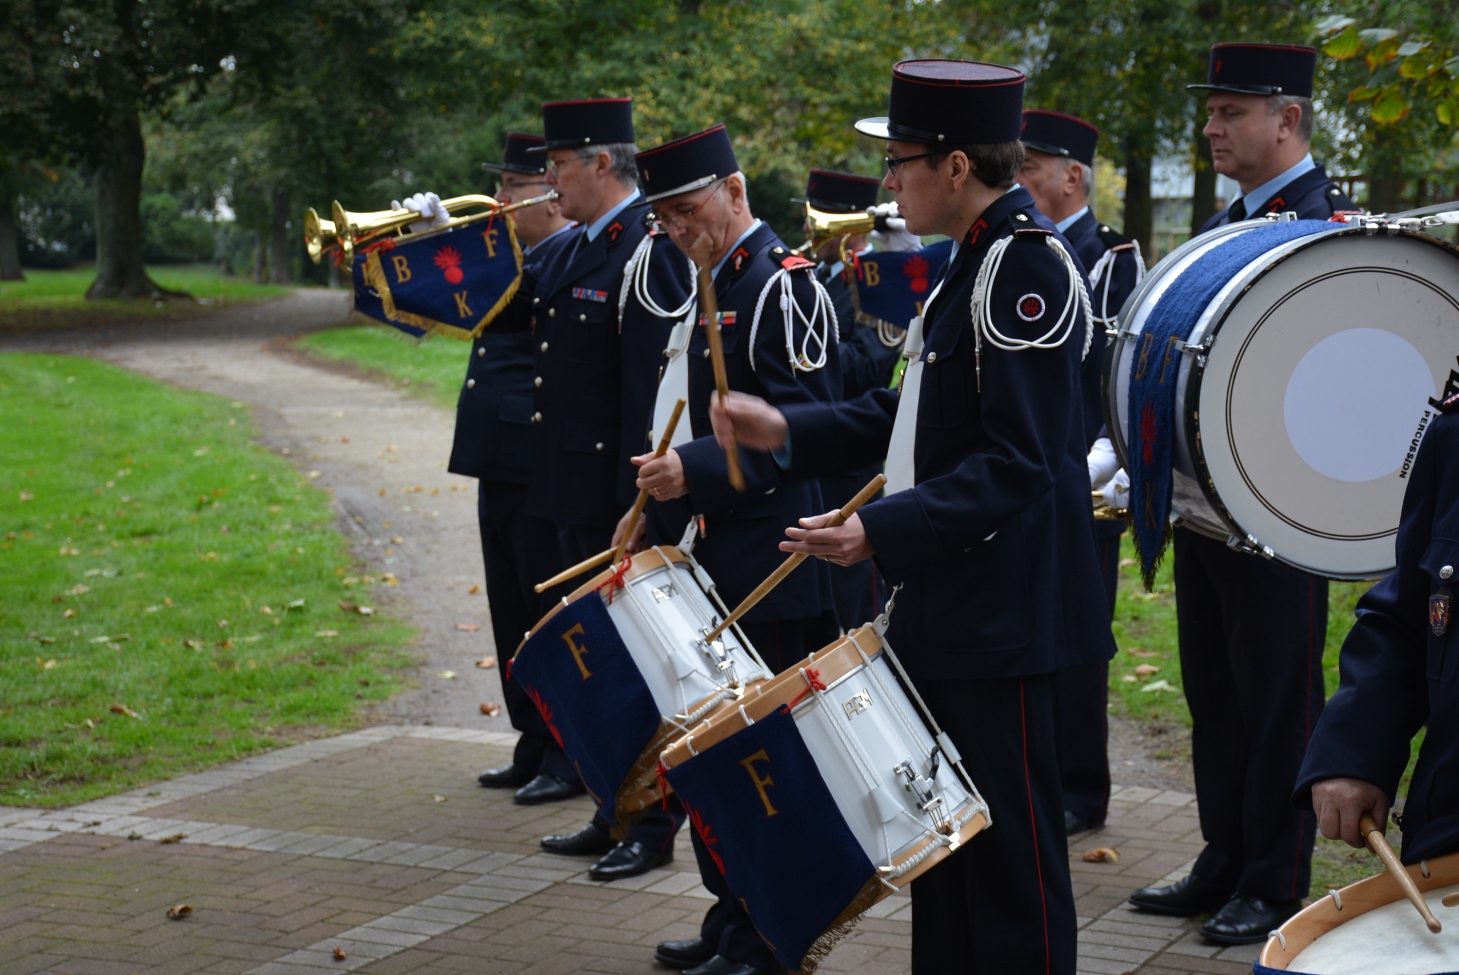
(68, 614)
(448, 675)
(123, 709)
(295, 604)
(327, 633)
(1102, 855)
(26, 496)
(174, 838)
(78, 589)
(1129, 678)
(1126, 563)
(389, 579)
(438, 797)
(473, 590)
(45, 664)
(315, 474)
(1159, 685)
(111, 639)
(180, 911)
(468, 627)
(490, 710)
(339, 954)
(1145, 670)
(347, 606)
(486, 663)
(1137, 652)
(191, 644)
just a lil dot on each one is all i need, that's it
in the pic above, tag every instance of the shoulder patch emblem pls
(614, 231)
(1030, 307)
(738, 259)
(795, 262)
(1439, 604)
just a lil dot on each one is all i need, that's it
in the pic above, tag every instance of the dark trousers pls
(1083, 713)
(520, 551)
(1003, 903)
(657, 828)
(1251, 638)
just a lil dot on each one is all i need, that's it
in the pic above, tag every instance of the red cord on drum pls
(663, 784)
(813, 678)
(615, 581)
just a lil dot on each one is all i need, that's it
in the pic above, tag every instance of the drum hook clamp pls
(921, 788)
(717, 655)
(1250, 546)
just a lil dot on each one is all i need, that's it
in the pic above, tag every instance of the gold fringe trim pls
(642, 776)
(871, 892)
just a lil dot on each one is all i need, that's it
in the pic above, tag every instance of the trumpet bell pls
(826, 226)
(351, 228)
(319, 235)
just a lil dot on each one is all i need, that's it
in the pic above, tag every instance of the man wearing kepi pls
(494, 444)
(1251, 629)
(1058, 171)
(986, 526)
(593, 386)
(1398, 668)
(779, 339)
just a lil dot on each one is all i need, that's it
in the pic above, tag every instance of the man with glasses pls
(593, 389)
(779, 338)
(493, 443)
(986, 526)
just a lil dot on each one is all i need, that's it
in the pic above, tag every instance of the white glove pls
(1102, 463)
(428, 205)
(1117, 491)
(895, 237)
(885, 210)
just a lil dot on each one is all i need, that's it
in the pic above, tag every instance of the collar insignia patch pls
(975, 231)
(614, 231)
(738, 259)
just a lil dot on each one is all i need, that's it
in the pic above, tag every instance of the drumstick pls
(637, 511)
(788, 566)
(701, 251)
(1379, 845)
(591, 562)
(1450, 900)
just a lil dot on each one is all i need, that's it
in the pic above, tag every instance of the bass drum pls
(1303, 388)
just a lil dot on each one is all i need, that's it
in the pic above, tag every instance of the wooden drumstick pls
(637, 511)
(1450, 900)
(591, 562)
(701, 251)
(788, 566)
(1379, 845)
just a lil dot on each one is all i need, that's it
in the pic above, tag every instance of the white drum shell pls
(660, 615)
(1316, 523)
(887, 731)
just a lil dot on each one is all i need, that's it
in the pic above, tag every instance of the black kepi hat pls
(1260, 69)
(686, 164)
(586, 122)
(959, 102)
(522, 153)
(836, 192)
(1059, 135)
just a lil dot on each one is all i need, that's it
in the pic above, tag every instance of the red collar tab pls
(1277, 205)
(614, 231)
(738, 259)
(975, 231)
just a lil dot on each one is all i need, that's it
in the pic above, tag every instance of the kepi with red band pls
(955, 102)
(1260, 69)
(686, 164)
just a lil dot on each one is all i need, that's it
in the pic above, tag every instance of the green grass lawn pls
(171, 590)
(433, 370)
(58, 297)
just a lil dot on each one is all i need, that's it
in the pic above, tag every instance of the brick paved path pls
(380, 843)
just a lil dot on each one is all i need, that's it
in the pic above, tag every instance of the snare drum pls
(822, 791)
(1370, 928)
(620, 666)
(1303, 387)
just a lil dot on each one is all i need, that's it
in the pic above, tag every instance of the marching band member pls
(493, 443)
(593, 390)
(1398, 676)
(1251, 629)
(779, 338)
(986, 526)
(1058, 172)
(870, 349)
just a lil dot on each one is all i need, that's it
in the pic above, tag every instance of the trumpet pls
(826, 226)
(1107, 512)
(346, 229)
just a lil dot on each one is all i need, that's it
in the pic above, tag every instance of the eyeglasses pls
(554, 167)
(679, 219)
(894, 161)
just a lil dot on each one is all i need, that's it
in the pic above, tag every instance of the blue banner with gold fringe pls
(894, 284)
(450, 283)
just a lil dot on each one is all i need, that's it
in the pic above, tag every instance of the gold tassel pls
(643, 775)
(871, 892)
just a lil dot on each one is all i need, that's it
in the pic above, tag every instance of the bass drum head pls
(1310, 405)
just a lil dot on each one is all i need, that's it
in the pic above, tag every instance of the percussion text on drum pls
(1418, 436)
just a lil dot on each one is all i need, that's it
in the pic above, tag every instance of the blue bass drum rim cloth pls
(762, 809)
(582, 678)
(893, 284)
(1154, 368)
(1257, 968)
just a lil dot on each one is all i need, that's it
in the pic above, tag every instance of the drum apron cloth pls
(1270, 383)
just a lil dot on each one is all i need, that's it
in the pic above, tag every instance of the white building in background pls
(1172, 183)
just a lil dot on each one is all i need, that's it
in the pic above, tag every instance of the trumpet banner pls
(450, 283)
(894, 284)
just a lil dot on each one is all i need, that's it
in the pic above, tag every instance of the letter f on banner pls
(760, 784)
(577, 649)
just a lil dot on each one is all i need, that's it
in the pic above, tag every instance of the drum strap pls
(674, 383)
(902, 453)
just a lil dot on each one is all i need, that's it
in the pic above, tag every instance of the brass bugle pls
(1106, 512)
(825, 226)
(348, 228)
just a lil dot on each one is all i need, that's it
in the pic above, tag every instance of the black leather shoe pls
(590, 841)
(508, 776)
(547, 788)
(1184, 898)
(684, 954)
(720, 965)
(1248, 920)
(1075, 824)
(628, 859)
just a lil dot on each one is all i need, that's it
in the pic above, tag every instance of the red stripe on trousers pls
(1033, 825)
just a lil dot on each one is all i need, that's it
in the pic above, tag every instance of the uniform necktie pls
(1238, 211)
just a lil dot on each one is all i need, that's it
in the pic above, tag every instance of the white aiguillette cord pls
(901, 473)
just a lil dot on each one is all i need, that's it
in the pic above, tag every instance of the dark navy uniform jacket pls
(1400, 665)
(594, 400)
(743, 532)
(493, 439)
(1312, 196)
(995, 543)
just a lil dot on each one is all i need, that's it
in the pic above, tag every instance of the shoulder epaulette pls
(1033, 232)
(1110, 239)
(794, 262)
(1450, 405)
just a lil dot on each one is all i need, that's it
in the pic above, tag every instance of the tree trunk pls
(119, 270)
(279, 239)
(260, 262)
(1139, 210)
(1203, 195)
(9, 241)
(1385, 178)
